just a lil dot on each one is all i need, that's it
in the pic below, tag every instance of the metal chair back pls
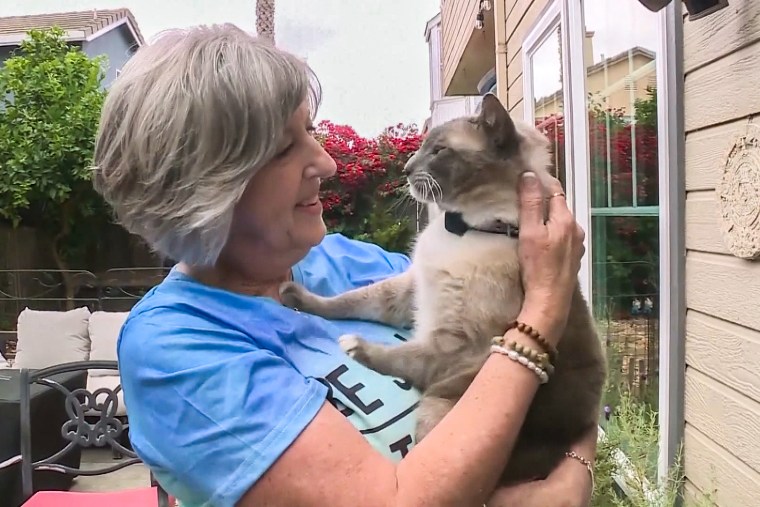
(80, 430)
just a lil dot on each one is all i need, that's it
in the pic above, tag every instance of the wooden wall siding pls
(725, 90)
(520, 20)
(703, 233)
(518, 110)
(710, 468)
(722, 391)
(724, 286)
(706, 151)
(725, 351)
(457, 23)
(726, 31)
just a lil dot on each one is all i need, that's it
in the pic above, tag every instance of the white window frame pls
(671, 138)
(558, 14)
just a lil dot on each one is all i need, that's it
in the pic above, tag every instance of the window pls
(543, 88)
(622, 132)
(591, 82)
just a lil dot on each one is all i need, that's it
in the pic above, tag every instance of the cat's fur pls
(463, 290)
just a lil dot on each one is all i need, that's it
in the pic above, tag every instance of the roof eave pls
(15, 39)
(124, 21)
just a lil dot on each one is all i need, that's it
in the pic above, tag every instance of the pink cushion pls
(143, 497)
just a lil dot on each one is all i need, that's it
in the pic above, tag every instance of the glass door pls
(621, 106)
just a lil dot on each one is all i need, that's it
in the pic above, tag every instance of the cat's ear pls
(495, 119)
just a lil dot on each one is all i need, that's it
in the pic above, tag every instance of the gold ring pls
(557, 194)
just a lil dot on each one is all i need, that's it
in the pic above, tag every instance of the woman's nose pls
(323, 166)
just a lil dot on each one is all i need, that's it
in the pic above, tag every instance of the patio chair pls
(105, 431)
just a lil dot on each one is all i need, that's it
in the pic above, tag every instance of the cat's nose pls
(408, 167)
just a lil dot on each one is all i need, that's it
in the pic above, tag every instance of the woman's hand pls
(569, 485)
(550, 253)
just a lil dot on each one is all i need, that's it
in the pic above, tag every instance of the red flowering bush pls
(366, 199)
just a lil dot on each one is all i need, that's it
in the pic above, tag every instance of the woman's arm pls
(459, 461)
(569, 485)
(457, 464)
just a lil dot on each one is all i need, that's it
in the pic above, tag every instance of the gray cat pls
(464, 287)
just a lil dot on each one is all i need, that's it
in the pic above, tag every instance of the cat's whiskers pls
(431, 189)
(436, 186)
(402, 201)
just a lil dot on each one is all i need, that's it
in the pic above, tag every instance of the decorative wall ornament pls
(739, 196)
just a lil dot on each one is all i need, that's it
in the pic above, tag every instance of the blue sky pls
(370, 55)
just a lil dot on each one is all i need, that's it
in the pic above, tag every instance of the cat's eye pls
(437, 149)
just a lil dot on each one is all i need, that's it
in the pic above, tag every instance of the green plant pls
(50, 102)
(629, 453)
(386, 230)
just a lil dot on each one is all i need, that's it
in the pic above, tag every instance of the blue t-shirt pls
(219, 384)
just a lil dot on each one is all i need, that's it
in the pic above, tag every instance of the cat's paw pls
(292, 295)
(351, 344)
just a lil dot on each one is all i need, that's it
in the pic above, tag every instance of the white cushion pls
(104, 333)
(48, 338)
(95, 383)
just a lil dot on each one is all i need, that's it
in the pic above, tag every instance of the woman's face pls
(280, 211)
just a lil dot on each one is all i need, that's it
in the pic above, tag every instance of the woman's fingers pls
(559, 212)
(531, 201)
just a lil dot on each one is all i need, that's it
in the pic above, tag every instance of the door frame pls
(672, 182)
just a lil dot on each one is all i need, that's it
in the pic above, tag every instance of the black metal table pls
(48, 415)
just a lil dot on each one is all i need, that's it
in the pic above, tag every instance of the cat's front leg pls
(389, 301)
(408, 361)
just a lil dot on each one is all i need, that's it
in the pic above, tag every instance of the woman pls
(206, 151)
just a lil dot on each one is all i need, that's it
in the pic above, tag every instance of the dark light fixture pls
(701, 8)
(654, 5)
(479, 21)
(697, 8)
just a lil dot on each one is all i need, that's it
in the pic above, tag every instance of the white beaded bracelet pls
(523, 360)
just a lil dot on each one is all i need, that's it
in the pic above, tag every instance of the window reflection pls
(548, 97)
(621, 86)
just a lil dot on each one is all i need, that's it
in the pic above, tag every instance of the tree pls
(265, 19)
(49, 115)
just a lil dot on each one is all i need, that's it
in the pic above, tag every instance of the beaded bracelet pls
(523, 360)
(529, 331)
(540, 358)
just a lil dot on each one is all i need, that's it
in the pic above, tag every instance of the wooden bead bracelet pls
(532, 333)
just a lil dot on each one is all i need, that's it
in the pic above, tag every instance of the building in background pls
(443, 108)
(113, 33)
(652, 118)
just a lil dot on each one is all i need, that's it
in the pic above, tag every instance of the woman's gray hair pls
(189, 120)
